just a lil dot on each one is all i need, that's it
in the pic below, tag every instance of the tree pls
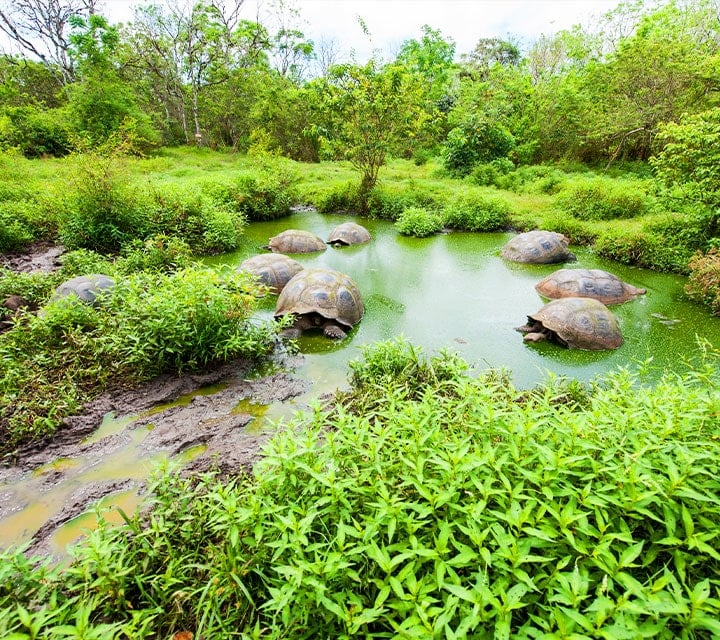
(489, 52)
(371, 110)
(690, 157)
(101, 102)
(42, 29)
(185, 50)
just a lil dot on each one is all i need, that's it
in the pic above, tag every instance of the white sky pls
(391, 22)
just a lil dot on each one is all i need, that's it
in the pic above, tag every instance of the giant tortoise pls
(322, 299)
(538, 247)
(587, 283)
(348, 233)
(272, 269)
(85, 288)
(576, 323)
(296, 241)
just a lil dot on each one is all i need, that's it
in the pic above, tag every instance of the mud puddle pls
(106, 454)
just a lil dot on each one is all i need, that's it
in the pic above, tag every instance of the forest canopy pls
(200, 74)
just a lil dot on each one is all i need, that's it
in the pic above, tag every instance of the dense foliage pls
(161, 318)
(427, 503)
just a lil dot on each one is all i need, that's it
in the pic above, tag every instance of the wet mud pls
(170, 415)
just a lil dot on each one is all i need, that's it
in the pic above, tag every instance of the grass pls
(423, 503)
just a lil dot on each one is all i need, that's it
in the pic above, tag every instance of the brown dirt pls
(210, 421)
(180, 421)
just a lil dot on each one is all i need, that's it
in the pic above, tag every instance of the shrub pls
(389, 205)
(264, 195)
(465, 511)
(603, 199)
(14, 232)
(148, 324)
(704, 279)
(642, 248)
(156, 253)
(204, 223)
(490, 173)
(473, 142)
(102, 213)
(419, 222)
(477, 213)
(342, 198)
(36, 131)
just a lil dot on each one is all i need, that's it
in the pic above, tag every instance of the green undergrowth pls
(205, 198)
(424, 503)
(155, 320)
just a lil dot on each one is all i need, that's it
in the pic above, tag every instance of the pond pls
(454, 291)
(449, 291)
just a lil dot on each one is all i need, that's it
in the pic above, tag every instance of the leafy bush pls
(102, 211)
(477, 213)
(263, 195)
(149, 323)
(419, 222)
(704, 279)
(690, 157)
(490, 173)
(399, 364)
(25, 221)
(473, 142)
(532, 179)
(642, 248)
(14, 232)
(36, 131)
(389, 205)
(465, 512)
(344, 198)
(603, 199)
(156, 253)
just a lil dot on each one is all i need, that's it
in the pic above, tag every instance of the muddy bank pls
(41, 256)
(205, 417)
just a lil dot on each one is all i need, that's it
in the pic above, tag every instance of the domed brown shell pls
(331, 294)
(272, 269)
(587, 283)
(538, 247)
(86, 288)
(581, 323)
(296, 241)
(349, 233)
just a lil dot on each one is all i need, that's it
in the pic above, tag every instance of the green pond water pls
(454, 291)
(449, 291)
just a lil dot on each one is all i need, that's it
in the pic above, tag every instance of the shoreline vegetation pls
(423, 502)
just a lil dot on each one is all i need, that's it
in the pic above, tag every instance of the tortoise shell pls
(580, 323)
(349, 233)
(272, 269)
(296, 241)
(587, 283)
(85, 288)
(538, 247)
(326, 292)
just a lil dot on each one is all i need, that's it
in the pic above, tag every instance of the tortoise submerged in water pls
(576, 323)
(272, 269)
(587, 283)
(84, 288)
(538, 247)
(296, 241)
(349, 233)
(322, 299)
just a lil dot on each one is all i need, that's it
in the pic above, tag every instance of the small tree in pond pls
(370, 110)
